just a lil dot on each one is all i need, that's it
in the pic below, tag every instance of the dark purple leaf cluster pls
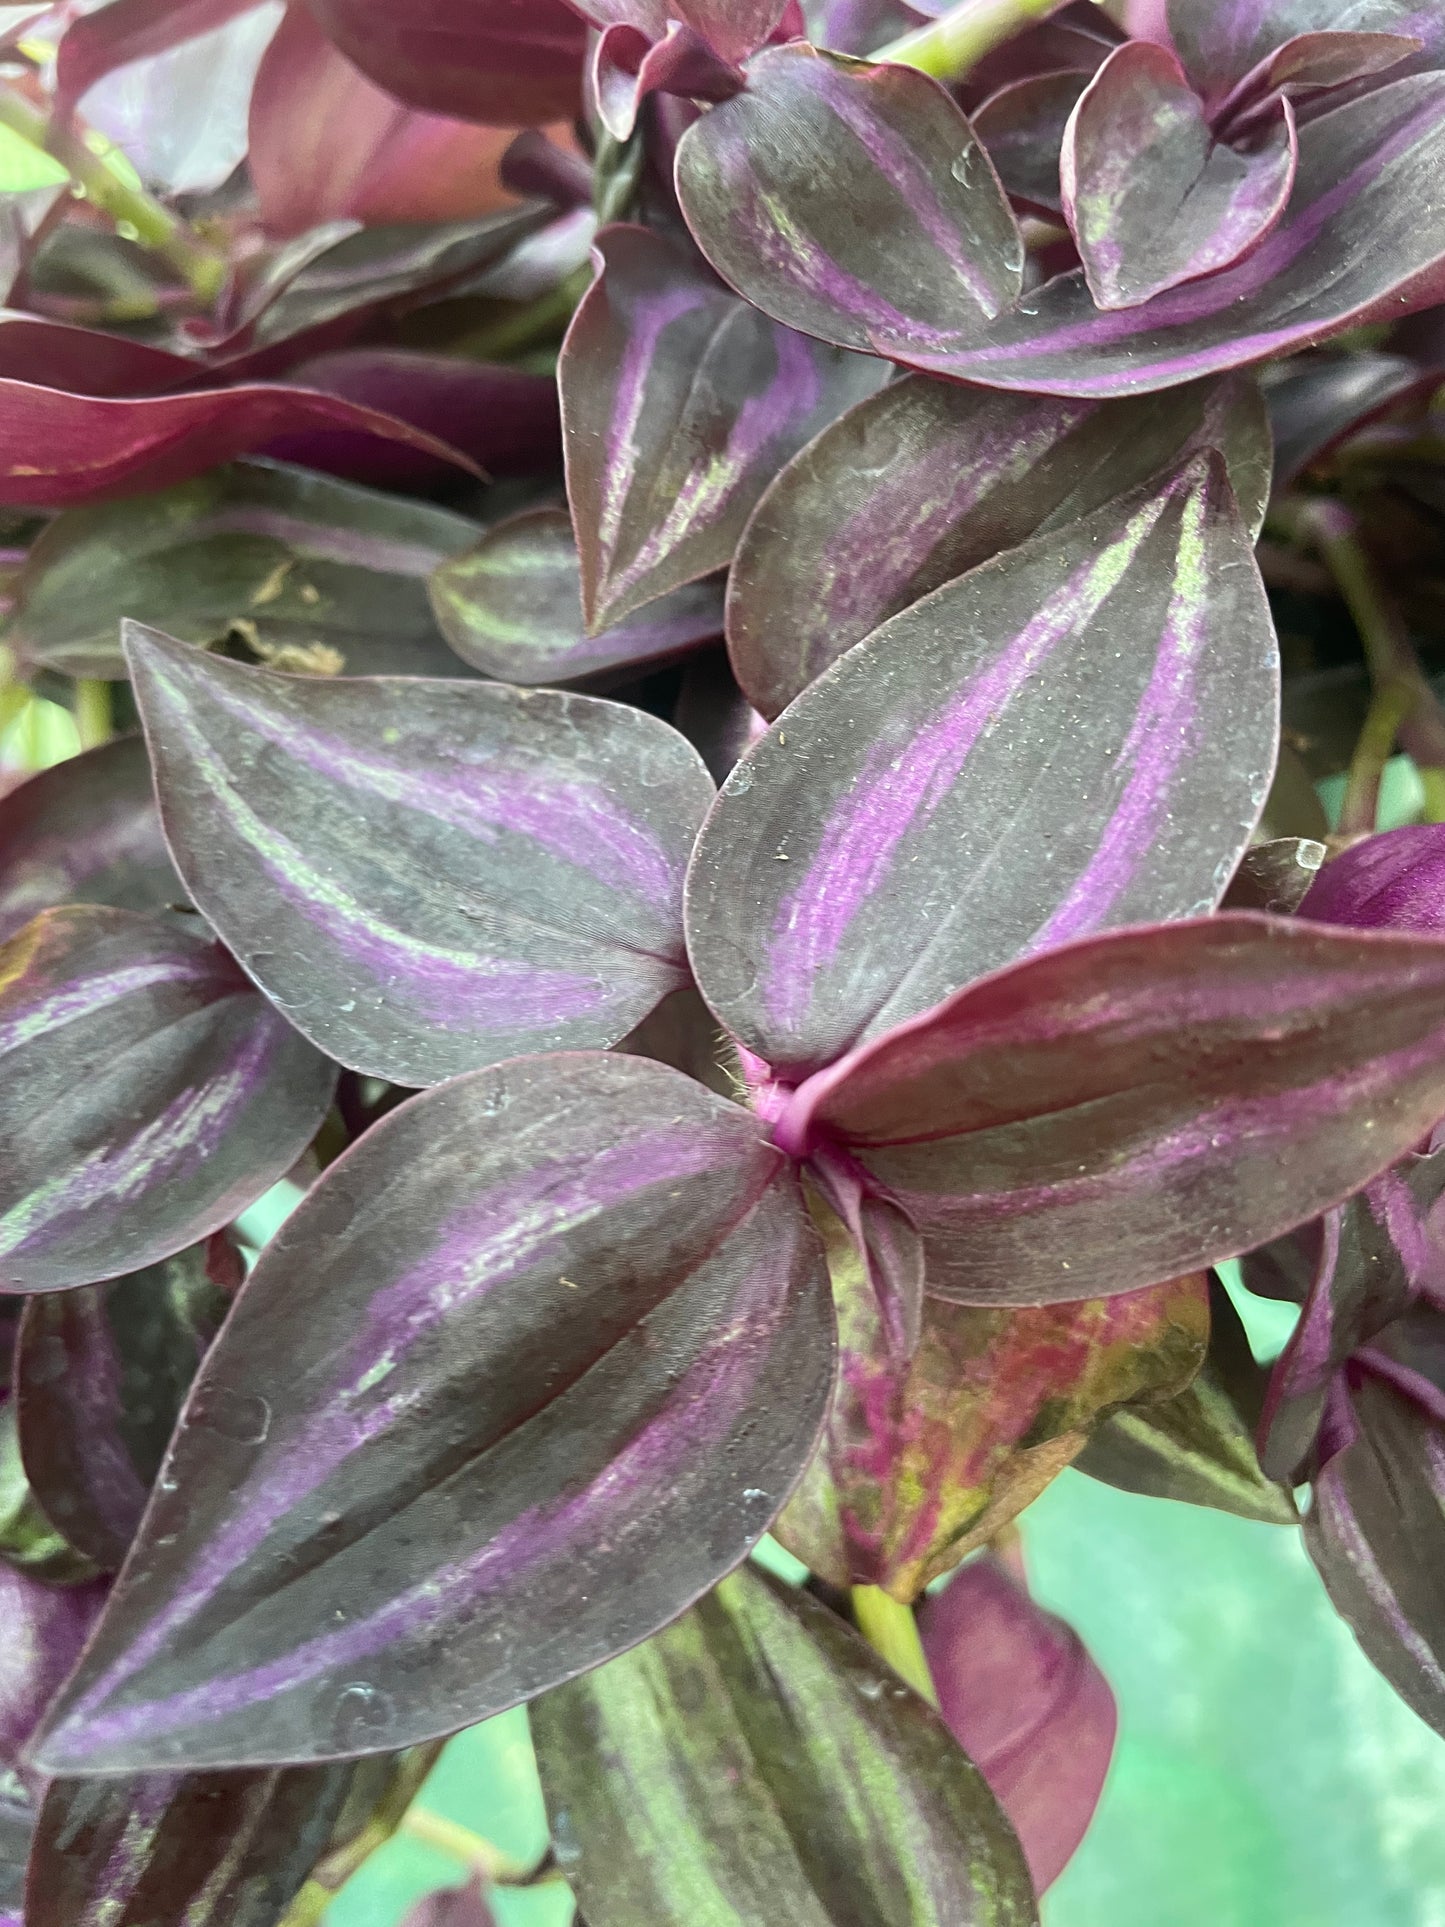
(736, 830)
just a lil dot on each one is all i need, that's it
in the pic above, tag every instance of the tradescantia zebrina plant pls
(732, 829)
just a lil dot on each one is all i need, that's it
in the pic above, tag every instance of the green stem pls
(1390, 656)
(524, 327)
(92, 713)
(891, 1630)
(475, 1853)
(951, 46)
(153, 225)
(1389, 707)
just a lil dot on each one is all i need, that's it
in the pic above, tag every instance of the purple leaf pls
(1315, 404)
(1369, 1259)
(924, 1460)
(1311, 64)
(1376, 1531)
(506, 63)
(1152, 196)
(59, 449)
(1390, 882)
(757, 1762)
(45, 1628)
(1105, 694)
(327, 144)
(1022, 127)
(1363, 237)
(315, 294)
(732, 28)
(628, 66)
(56, 354)
(504, 419)
(426, 876)
(453, 1907)
(100, 1376)
(1028, 1705)
(294, 559)
(85, 831)
(511, 606)
(832, 191)
(1224, 42)
(112, 36)
(1140, 1104)
(528, 1370)
(679, 405)
(209, 1849)
(148, 1095)
(924, 480)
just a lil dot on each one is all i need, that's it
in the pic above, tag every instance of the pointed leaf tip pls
(527, 1371)
(1107, 693)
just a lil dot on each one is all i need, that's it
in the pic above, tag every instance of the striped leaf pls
(853, 202)
(924, 1461)
(1390, 882)
(1140, 1104)
(206, 1849)
(511, 606)
(100, 1376)
(758, 1762)
(426, 876)
(1366, 1263)
(1077, 735)
(1376, 1532)
(85, 831)
(1154, 198)
(925, 480)
(148, 1095)
(679, 405)
(529, 1369)
(1364, 236)
(293, 557)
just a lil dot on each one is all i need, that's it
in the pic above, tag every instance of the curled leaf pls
(1020, 1693)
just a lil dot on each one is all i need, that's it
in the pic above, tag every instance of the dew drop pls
(964, 164)
(871, 1689)
(361, 1715)
(566, 1849)
(740, 781)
